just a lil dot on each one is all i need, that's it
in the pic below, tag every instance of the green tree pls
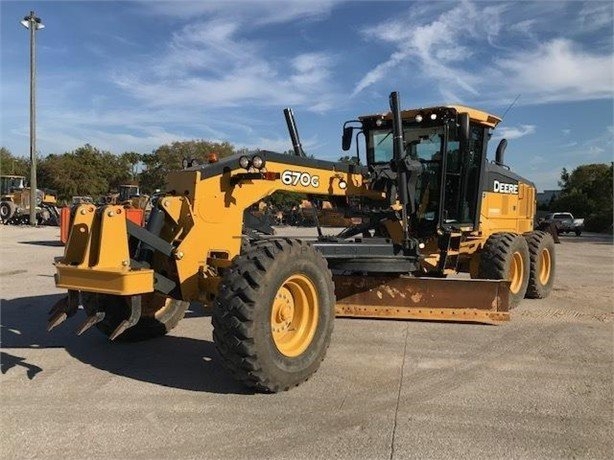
(169, 157)
(285, 200)
(84, 171)
(588, 192)
(133, 159)
(12, 165)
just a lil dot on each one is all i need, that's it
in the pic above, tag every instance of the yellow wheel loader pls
(428, 204)
(15, 203)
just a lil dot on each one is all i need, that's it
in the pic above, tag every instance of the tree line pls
(90, 171)
(585, 192)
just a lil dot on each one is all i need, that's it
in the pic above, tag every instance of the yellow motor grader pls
(429, 205)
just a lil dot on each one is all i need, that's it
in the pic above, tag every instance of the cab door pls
(462, 171)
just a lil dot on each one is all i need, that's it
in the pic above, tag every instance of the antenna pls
(509, 108)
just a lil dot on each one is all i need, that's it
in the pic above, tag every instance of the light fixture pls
(38, 25)
(244, 162)
(257, 162)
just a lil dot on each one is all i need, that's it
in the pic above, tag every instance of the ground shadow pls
(8, 361)
(172, 361)
(56, 243)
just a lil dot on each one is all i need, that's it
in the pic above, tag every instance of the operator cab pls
(447, 148)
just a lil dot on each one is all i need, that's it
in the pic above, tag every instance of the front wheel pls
(273, 317)
(159, 315)
(542, 264)
(578, 232)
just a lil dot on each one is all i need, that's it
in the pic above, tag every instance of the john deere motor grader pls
(430, 203)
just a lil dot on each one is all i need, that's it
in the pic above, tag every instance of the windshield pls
(420, 143)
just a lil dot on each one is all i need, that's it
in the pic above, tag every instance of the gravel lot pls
(540, 386)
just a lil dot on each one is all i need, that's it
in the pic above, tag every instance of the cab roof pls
(480, 116)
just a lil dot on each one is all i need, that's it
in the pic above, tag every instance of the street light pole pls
(33, 23)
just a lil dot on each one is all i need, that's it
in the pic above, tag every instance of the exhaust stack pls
(296, 142)
(500, 151)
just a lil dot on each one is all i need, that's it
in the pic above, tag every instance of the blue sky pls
(134, 75)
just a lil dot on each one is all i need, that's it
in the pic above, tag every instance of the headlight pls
(418, 118)
(257, 162)
(244, 162)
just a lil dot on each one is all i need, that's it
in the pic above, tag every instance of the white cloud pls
(279, 144)
(558, 71)
(537, 160)
(595, 15)
(436, 46)
(259, 12)
(210, 64)
(594, 150)
(311, 69)
(513, 132)
(525, 27)
(468, 52)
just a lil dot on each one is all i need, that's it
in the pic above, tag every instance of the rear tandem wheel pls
(505, 256)
(542, 264)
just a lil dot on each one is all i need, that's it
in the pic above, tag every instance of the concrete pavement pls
(538, 387)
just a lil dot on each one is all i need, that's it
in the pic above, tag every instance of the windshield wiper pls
(384, 138)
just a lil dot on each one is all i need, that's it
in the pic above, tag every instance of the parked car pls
(565, 222)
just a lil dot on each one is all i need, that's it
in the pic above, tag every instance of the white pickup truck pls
(565, 222)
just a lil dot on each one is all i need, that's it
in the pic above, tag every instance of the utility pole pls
(32, 23)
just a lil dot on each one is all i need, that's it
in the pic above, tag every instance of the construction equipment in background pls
(429, 205)
(15, 203)
(128, 195)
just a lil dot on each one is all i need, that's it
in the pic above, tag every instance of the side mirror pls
(346, 139)
(465, 134)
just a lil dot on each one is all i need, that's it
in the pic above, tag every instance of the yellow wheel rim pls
(516, 272)
(294, 316)
(544, 264)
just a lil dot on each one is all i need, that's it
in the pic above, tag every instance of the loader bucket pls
(433, 299)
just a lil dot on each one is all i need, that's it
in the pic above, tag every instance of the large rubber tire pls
(273, 317)
(153, 322)
(505, 256)
(542, 264)
(7, 211)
